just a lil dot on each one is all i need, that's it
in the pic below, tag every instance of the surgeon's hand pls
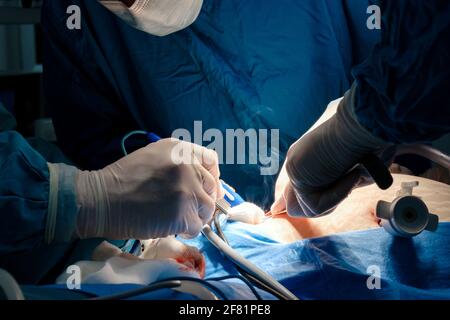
(279, 205)
(322, 167)
(169, 187)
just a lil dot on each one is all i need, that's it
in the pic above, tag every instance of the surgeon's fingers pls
(194, 227)
(206, 196)
(282, 181)
(201, 215)
(206, 208)
(279, 206)
(320, 202)
(292, 204)
(210, 161)
(334, 195)
(209, 183)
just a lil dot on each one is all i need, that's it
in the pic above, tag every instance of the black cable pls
(243, 279)
(206, 284)
(261, 285)
(165, 284)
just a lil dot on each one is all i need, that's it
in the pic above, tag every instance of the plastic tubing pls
(245, 264)
(10, 287)
(425, 151)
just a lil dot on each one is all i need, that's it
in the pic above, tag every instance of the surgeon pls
(167, 188)
(400, 95)
(241, 65)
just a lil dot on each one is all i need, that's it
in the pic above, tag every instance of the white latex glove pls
(148, 195)
(321, 164)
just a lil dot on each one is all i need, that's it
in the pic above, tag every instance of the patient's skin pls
(357, 211)
(189, 258)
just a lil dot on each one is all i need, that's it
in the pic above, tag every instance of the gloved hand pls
(322, 165)
(148, 195)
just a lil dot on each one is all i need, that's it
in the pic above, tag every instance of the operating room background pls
(21, 63)
(21, 70)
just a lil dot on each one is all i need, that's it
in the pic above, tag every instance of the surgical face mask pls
(157, 17)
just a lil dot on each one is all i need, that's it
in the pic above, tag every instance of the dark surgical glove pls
(323, 166)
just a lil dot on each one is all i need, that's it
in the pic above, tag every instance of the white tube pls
(10, 287)
(245, 264)
(425, 151)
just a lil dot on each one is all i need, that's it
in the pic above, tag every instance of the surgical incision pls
(357, 211)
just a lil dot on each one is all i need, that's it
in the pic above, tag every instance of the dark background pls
(21, 62)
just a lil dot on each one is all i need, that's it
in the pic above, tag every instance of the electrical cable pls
(261, 285)
(244, 273)
(243, 279)
(128, 135)
(166, 284)
(169, 283)
(249, 267)
(426, 152)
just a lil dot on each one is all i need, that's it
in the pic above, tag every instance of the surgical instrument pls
(222, 206)
(407, 215)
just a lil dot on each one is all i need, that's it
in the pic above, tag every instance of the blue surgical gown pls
(243, 64)
(25, 249)
(403, 87)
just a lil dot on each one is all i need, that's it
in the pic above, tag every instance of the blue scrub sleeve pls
(62, 208)
(403, 87)
(37, 204)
